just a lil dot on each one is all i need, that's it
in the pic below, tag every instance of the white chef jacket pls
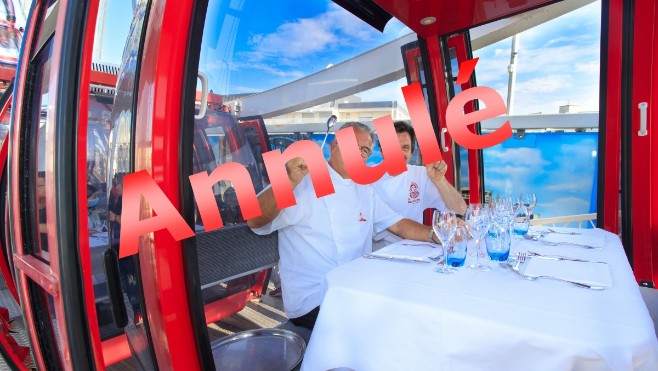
(408, 194)
(317, 235)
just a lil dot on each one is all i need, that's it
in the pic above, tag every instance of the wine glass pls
(477, 222)
(529, 200)
(444, 223)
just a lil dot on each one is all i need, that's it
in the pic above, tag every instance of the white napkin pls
(585, 236)
(595, 274)
(409, 249)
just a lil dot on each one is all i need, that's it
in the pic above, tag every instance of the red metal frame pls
(231, 305)
(53, 237)
(101, 78)
(158, 127)
(452, 16)
(6, 344)
(613, 119)
(436, 68)
(13, 186)
(459, 43)
(115, 350)
(5, 270)
(411, 57)
(83, 227)
(645, 149)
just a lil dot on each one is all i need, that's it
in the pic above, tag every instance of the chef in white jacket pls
(419, 188)
(318, 234)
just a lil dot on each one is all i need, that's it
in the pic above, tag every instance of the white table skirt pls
(383, 315)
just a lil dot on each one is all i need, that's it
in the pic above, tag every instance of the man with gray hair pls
(318, 234)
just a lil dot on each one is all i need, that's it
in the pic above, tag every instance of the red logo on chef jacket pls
(361, 217)
(413, 193)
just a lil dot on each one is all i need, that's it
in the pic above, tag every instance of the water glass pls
(498, 242)
(444, 223)
(477, 220)
(458, 248)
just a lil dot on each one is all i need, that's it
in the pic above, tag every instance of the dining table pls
(398, 313)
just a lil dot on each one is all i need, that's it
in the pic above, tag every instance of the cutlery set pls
(550, 243)
(522, 256)
(397, 258)
(533, 278)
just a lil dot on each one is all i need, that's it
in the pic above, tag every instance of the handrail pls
(566, 220)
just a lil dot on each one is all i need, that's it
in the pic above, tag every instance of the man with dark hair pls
(418, 188)
(318, 234)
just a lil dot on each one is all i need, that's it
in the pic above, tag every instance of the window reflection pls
(218, 139)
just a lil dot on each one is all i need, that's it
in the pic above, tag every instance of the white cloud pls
(558, 63)
(546, 84)
(563, 206)
(523, 156)
(304, 37)
(588, 67)
(570, 185)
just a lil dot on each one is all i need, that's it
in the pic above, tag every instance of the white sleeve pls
(431, 196)
(384, 216)
(287, 217)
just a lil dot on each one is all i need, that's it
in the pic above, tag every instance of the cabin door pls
(45, 196)
(639, 127)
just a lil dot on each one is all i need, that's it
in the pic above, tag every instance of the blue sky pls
(558, 61)
(276, 45)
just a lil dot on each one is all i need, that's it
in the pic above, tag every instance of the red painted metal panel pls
(115, 350)
(653, 118)
(83, 227)
(102, 78)
(452, 16)
(5, 270)
(8, 343)
(441, 94)
(157, 151)
(645, 78)
(412, 57)
(226, 307)
(39, 272)
(459, 43)
(15, 212)
(613, 119)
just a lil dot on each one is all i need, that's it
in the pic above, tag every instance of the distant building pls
(351, 108)
(570, 108)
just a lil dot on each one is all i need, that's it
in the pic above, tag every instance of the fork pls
(559, 257)
(533, 278)
(549, 243)
(520, 258)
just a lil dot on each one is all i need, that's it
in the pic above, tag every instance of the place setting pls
(408, 251)
(594, 275)
(555, 236)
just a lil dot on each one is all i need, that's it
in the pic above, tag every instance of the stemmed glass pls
(477, 222)
(444, 224)
(529, 200)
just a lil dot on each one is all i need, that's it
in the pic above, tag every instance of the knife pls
(559, 257)
(394, 258)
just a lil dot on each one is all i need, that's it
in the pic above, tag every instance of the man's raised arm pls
(297, 169)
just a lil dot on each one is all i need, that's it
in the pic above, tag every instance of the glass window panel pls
(38, 127)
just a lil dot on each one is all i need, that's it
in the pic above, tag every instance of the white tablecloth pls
(384, 315)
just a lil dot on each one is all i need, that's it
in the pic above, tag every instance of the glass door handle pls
(643, 119)
(443, 140)
(204, 96)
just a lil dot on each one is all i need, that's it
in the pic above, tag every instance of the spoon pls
(531, 238)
